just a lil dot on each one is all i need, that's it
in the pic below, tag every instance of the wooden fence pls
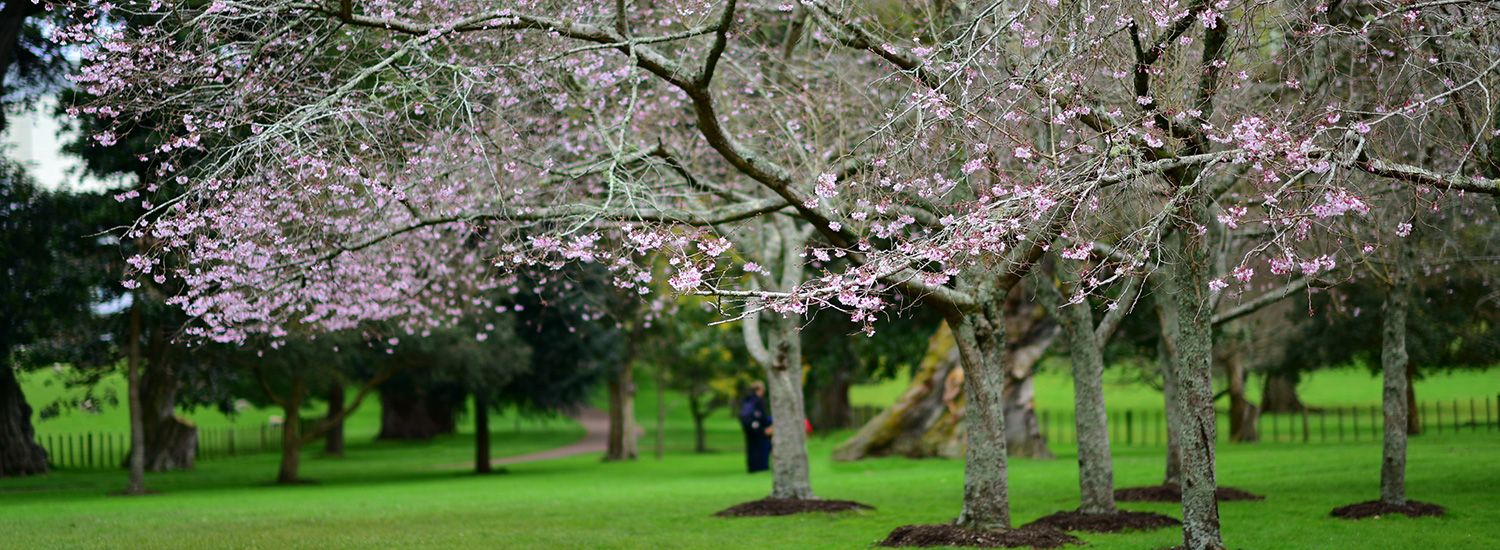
(110, 450)
(1127, 427)
(1148, 427)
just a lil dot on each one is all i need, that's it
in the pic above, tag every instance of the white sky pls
(35, 139)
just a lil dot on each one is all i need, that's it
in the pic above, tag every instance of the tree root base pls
(1030, 536)
(789, 506)
(1375, 509)
(1112, 522)
(1170, 492)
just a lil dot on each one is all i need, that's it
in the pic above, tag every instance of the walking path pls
(595, 440)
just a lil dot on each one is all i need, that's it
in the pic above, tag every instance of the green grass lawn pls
(390, 495)
(1325, 388)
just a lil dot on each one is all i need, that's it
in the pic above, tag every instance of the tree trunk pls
(622, 427)
(926, 420)
(695, 408)
(1279, 395)
(661, 411)
(1096, 476)
(171, 441)
(414, 416)
(981, 343)
(291, 436)
(1413, 421)
(481, 433)
(19, 453)
(137, 483)
(1394, 362)
(789, 465)
(1194, 345)
(831, 411)
(333, 437)
(1166, 352)
(1242, 413)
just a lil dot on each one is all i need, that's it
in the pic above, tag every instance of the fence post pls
(1322, 426)
(1129, 428)
(1439, 408)
(1473, 417)
(1457, 425)
(1305, 436)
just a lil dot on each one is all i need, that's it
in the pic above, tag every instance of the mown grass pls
(1346, 386)
(405, 495)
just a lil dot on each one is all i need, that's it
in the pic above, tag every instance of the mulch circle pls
(1032, 536)
(789, 506)
(1113, 522)
(1375, 509)
(1173, 493)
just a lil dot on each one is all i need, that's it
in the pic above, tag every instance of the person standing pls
(755, 421)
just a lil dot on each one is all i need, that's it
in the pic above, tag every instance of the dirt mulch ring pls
(1030, 536)
(1113, 522)
(789, 506)
(1375, 509)
(1173, 493)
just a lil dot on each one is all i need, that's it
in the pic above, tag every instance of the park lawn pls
(1345, 386)
(46, 386)
(390, 494)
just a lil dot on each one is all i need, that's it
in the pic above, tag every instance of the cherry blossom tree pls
(376, 161)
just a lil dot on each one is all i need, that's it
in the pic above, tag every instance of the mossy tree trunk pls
(927, 420)
(1194, 346)
(980, 339)
(1096, 484)
(1394, 362)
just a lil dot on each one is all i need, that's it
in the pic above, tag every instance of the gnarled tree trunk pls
(171, 441)
(926, 421)
(19, 453)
